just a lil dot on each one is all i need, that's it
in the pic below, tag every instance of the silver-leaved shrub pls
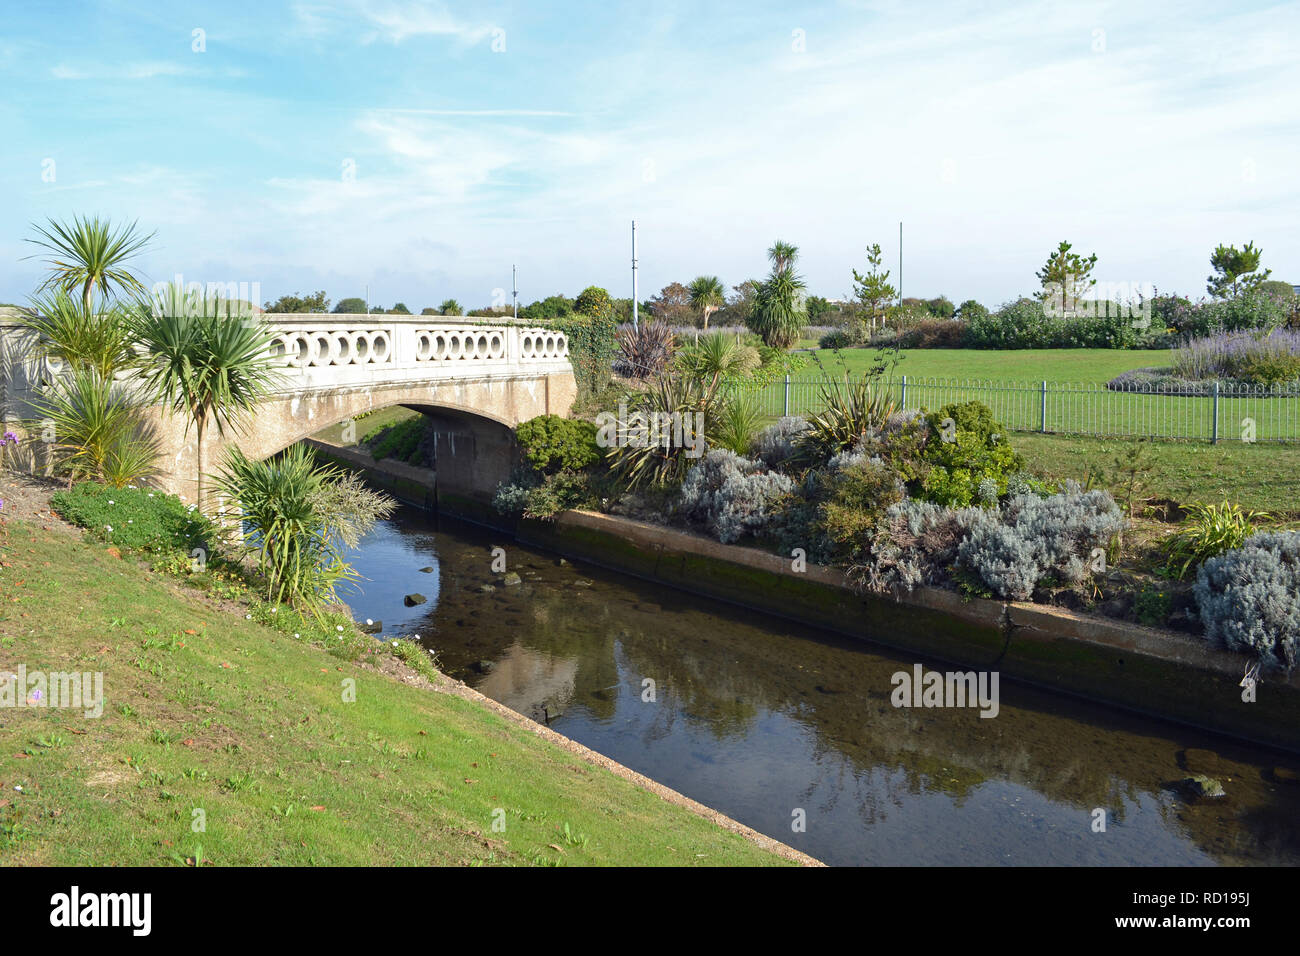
(731, 495)
(1249, 598)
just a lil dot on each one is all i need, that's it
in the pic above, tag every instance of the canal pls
(778, 725)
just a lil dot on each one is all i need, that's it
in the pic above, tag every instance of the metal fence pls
(1217, 412)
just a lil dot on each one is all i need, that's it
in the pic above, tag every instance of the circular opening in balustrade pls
(379, 346)
(498, 345)
(526, 346)
(341, 350)
(324, 350)
(360, 342)
(423, 347)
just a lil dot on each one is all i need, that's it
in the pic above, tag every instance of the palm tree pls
(91, 254)
(70, 331)
(779, 311)
(210, 367)
(450, 307)
(707, 295)
(782, 255)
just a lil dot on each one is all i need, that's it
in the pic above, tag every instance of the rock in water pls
(371, 627)
(1198, 784)
(511, 579)
(411, 600)
(428, 570)
(487, 588)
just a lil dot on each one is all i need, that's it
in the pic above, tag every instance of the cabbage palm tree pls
(209, 367)
(707, 295)
(71, 331)
(450, 307)
(779, 312)
(90, 254)
(782, 255)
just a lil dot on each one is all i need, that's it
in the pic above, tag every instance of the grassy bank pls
(206, 709)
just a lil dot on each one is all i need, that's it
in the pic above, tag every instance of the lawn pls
(210, 716)
(1027, 365)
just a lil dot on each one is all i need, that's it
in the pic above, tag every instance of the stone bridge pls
(475, 381)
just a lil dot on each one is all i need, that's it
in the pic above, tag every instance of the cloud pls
(389, 20)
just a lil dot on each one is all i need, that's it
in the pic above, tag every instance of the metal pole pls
(1042, 409)
(903, 402)
(514, 291)
(1214, 428)
(634, 288)
(787, 395)
(900, 263)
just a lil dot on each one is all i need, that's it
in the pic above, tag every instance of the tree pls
(782, 255)
(1235, 271)
(779, 311)
(1066, 278)
(552, 307)
(707, 296)
(595, 302)
(450, 307)
(817, 307)
(873, 289)
(941, 308)
(672, 304)
(399, 309)
(90, 254)
(354, 305)
(204, 365)
(315, 302)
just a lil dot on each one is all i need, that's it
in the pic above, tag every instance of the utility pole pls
(367, 298)
(634, 291)
(514, 292)
(900, 263)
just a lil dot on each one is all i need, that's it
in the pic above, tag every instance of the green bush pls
(551, 443)
(135, 519)
(854, 496)
(593, 346)
(1151, 606)
(1209, 530)
(966, 448)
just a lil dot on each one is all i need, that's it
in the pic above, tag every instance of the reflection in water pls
(760, 718)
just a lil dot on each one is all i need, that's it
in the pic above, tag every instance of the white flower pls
(394, 643)
(130, 521)
(151, 494)
(296, 634)
(109, 527)
(338, 627)
(368, 621)
(274, 610)
(111, 501)
(248, 617)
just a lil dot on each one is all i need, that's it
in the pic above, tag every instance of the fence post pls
(1042, 409)
(1214, 425)
(903, 401)
(786, 413)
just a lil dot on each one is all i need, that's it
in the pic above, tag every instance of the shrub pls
(1249, 598)
(639, 451)
(915, 543)
(1252, 357)
(1021, 324)
(135, 519)
(1207, 531)
(296, 526)
(101, 432)
(854, 491)
(1034, 538)
(966, 448)
(739, 419)
(841, 339)
(776, 444)
(1151, 606)
(646, 349)
(550, 443)
(935, 334)
(593, 346)
(731, 495)
(848, 413)
(970, 309)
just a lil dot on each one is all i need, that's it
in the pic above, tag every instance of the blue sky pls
(421, 148)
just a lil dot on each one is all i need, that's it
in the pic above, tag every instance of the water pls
(760, 719)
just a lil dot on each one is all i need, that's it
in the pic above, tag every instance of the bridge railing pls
(319, 341)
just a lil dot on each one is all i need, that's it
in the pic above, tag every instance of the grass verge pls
(211, 717)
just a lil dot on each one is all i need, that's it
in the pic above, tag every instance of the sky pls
(419, 149)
